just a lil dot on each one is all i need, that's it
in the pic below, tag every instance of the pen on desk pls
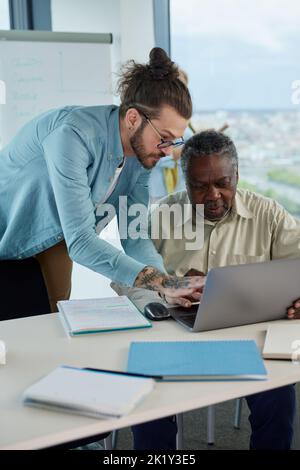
(130, 374)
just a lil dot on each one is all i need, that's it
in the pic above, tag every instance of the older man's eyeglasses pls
(164, 143)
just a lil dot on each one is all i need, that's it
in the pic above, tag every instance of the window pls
(4, 15)
(243, 62)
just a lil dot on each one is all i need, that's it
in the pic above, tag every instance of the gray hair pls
(207, 143)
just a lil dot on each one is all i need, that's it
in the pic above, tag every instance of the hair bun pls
(153, 85)
(158, 72)
(160, 65)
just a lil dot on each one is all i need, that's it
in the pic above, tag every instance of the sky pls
(239, 54)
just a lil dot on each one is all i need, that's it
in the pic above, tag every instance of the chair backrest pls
(22, 289)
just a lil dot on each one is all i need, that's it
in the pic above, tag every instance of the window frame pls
(30, 14)
(162, 29)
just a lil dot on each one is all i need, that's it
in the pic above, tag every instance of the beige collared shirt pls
(256, 229)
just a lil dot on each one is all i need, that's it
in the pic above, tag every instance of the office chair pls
(211, 420)
(210, 423)
(110, 442)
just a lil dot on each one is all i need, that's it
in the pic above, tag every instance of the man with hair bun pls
(61, 167)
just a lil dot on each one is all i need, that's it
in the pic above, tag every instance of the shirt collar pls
(115, 148)
(240, 208)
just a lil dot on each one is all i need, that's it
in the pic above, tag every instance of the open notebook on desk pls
(98, 315)
(88, 392)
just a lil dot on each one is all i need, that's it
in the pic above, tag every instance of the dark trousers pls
(22, 289)
(271, 418)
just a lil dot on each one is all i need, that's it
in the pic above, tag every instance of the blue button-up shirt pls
(54, 174)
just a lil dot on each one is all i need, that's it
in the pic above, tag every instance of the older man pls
(239, 227)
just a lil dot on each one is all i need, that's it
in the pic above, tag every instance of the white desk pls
(37, 345)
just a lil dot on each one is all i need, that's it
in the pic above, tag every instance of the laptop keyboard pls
(183, 315)
(187, 319)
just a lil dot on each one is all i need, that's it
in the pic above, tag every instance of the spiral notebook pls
(88, 392)
(197, 360)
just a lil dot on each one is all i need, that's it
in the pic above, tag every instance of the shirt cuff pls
(127, 270)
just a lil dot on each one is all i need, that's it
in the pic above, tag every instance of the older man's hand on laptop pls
(182, 284)
(293, 312)
(188, 300)
(195, 296)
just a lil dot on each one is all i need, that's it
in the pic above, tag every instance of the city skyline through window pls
(242, 59)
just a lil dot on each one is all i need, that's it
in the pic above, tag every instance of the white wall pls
(131, 23)
(137, 29)
(90, 16)
(93, 16)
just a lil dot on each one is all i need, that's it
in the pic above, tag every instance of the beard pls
(147, 160)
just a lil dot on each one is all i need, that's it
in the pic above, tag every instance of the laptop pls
(243, 294)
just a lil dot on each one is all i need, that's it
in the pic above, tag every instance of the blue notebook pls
(197, 360)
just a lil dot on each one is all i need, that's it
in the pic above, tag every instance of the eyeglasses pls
(164, 143)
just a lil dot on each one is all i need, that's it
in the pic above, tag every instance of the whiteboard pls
(44, 70)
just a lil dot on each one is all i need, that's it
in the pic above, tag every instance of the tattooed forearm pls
(150, 278)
